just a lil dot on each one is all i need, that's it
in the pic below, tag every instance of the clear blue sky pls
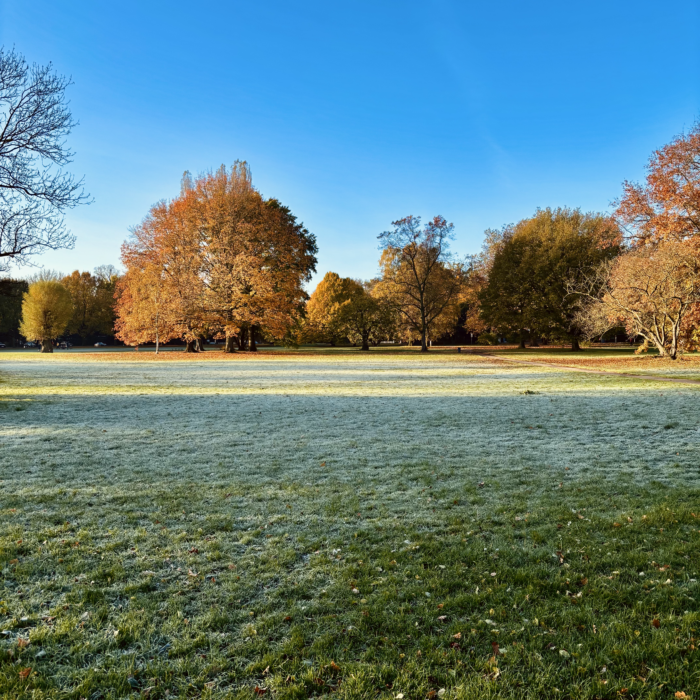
(358, 113)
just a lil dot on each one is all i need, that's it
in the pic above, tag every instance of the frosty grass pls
(349, 526)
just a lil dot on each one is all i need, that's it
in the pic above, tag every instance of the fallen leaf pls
(24, 673)
(656, 622)
(22, 642)
(496, 650)
(259, 691)
(458, 635)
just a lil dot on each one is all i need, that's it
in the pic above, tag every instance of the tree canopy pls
(341, 307)
(46, 311)
(220, 259)
(527, 294)
(420, 280)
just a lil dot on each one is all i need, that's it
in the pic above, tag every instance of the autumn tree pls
(144, 311)
(341, 307)
(323, 322)
(650, 290)
(420, 280)
(46, 311)
(93, 302)
(256, 257)
(667, 205)
(527, 293)
(35, 190)
(226, 261)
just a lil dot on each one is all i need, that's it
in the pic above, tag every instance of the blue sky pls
(358, 113)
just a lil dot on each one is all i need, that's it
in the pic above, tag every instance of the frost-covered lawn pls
(358, 526)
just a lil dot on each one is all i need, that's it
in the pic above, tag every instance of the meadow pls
(346, 525)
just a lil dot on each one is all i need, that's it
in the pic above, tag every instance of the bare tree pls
(35, 191)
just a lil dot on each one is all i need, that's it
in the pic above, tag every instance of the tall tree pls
(93, 304)
(35, 191)
(256, 257)
(667, 205)
(651, 290)
(11, 293)
(144, 311)
(46, 311)
(229, 262)
(323, 322)
(419, 277)
(341, 307)
(527, 292)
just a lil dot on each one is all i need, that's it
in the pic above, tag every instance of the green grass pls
(345, 526)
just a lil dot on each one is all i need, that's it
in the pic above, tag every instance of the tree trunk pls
(199, 345)
(424, 342)
(575, 347)
(190, 346)
(46, 346)
(522, 343)
(242, 338)
(365, 341)
(229, 344)
(252, 347)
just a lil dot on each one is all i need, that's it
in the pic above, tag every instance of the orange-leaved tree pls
(667, 205)
(223, 261)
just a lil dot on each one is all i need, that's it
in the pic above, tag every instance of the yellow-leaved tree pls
(46, 311)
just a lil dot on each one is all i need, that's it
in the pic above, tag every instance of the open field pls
(386, 525)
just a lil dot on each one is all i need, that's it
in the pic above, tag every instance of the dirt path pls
(569, 368)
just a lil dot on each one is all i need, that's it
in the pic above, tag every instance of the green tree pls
(46, 311)
(11, 292)
(363, 317)
(526, 293)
